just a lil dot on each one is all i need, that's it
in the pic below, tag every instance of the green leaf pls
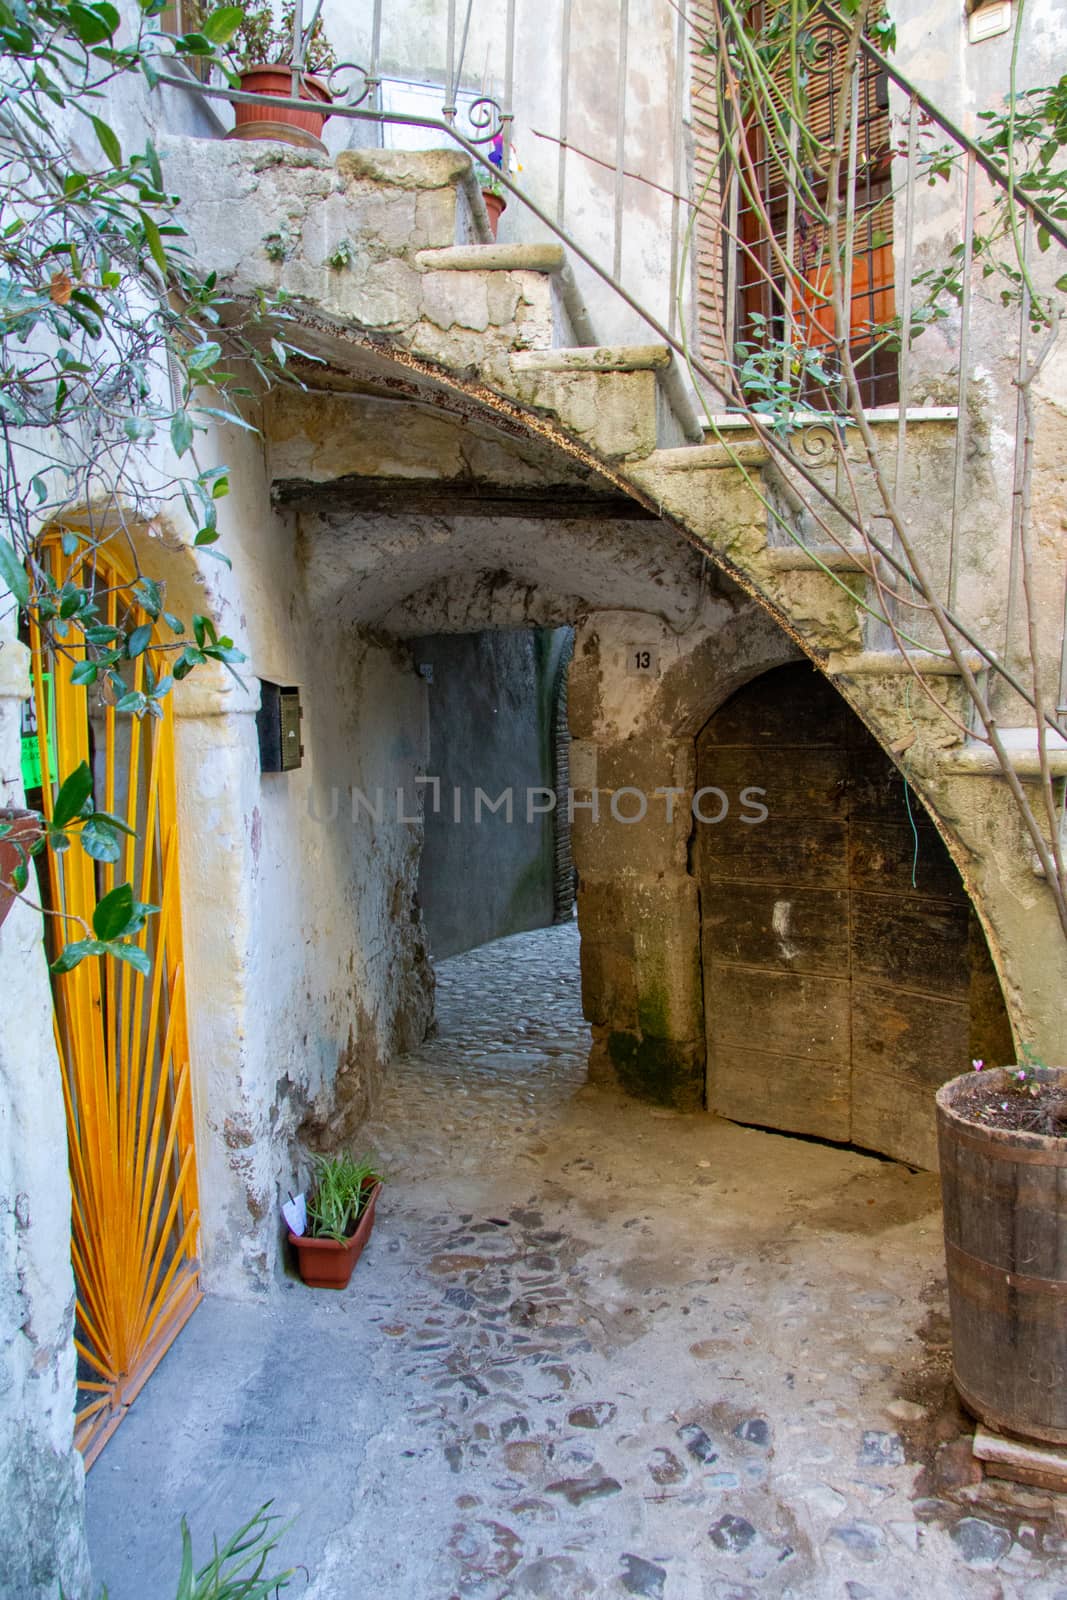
(134, 701)
(148, 593)
(114, 913)
(93, 24)
(181, 432)
(19, 877)
(155, 241)
(75, 791)
(133, 955)
(175, 624)
(204, 356)
(222, 24)
(138, 641)
(83, 673)
(75, 952)
(107, 138)
(14, 574)
(99, 840)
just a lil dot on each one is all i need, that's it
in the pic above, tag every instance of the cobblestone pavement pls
(592, 1350)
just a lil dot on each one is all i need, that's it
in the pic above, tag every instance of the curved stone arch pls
(969, 823)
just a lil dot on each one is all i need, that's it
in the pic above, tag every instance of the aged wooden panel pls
(799, 782)
(774, 1091)
(838, 992)
(894, 1116)
(912, 944)
(883, 857)
(790, 706)
(913, 1038)
(990, 1033)
(784, 1013)
(781, 850)
(798, 930)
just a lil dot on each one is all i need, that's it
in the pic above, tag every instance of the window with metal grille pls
(783, 216)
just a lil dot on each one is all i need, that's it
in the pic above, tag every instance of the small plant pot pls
(1004, 1196)
(495, 206)
(328, 1263)
(300, 128)
(14, 849)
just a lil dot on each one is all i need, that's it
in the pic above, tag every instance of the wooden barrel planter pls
(286, 126)
(1004, 1196)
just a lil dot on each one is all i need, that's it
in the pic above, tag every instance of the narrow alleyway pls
(593, 1349)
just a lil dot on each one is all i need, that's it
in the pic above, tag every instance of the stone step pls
(550, 260)
(800, 558)
(898, 663)
(676, 420)
(979, 760)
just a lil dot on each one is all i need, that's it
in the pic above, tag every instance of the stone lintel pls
(493, 258)
(705, 457)
(600, 358)
(895, 663)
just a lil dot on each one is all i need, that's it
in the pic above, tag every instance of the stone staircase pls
(501, 329)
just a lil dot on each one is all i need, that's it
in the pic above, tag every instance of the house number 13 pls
(642, 662)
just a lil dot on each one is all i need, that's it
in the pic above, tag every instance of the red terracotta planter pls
(25, 831)
(301, 128)
(495, 205)
(327, 1264)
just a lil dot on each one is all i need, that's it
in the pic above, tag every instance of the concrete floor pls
(592, 1349)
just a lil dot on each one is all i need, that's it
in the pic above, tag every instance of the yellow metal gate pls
(122, 1038)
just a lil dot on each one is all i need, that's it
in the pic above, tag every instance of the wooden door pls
(845, 975)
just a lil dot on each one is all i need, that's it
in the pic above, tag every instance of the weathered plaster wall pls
(490, 713)
(41, 1475)
(306, 965)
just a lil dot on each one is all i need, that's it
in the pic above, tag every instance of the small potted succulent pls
(340, 1216)
(264, 56)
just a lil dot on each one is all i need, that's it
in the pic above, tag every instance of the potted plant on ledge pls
(1003, 1142)
(340, 1216)
(493, 195)
(270, 60)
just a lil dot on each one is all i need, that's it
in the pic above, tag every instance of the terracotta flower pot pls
(327, 1263)
(301, 128)
(25, 832)
(495, 205)
(1004, 1196)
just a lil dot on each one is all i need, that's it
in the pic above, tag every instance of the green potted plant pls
(340, 1215)
(1002, 1134)
(264, 55)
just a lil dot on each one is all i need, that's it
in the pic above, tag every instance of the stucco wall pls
(306, 964)
(41, 1476)
(490, 715)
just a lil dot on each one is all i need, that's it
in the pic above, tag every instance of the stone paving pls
(593, 1349)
